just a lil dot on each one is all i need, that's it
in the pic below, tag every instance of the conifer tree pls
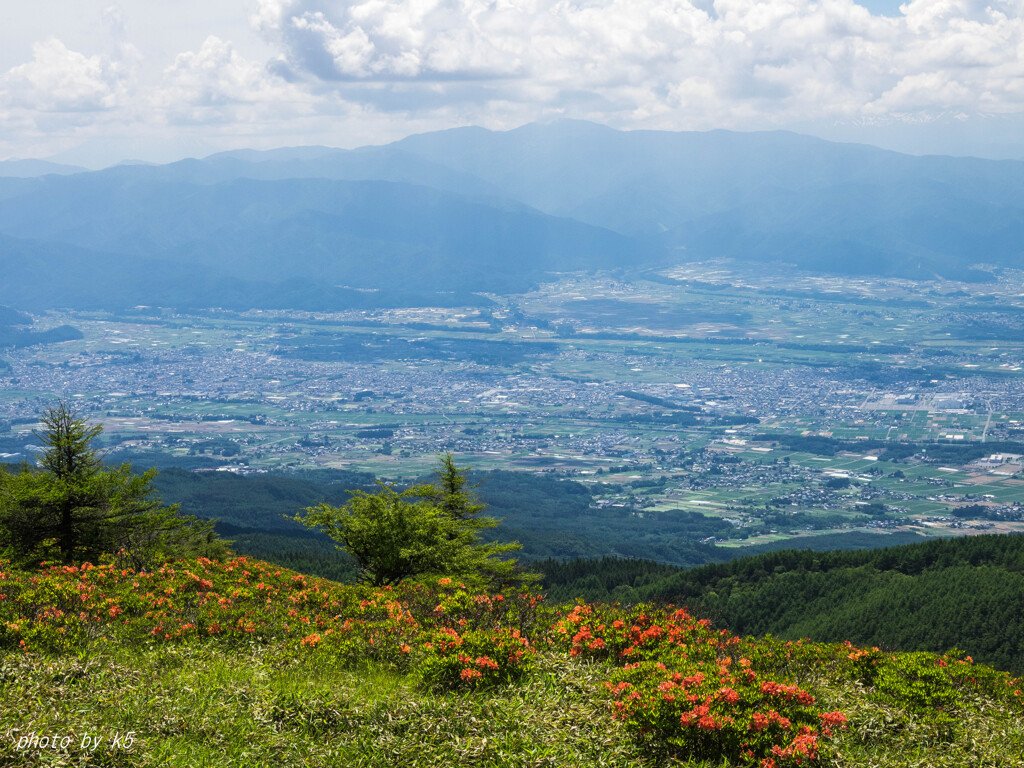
(75, 505)
(457, 499)
(427, 529)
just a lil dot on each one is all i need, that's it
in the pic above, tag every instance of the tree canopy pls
(427, 529)
(74, 507)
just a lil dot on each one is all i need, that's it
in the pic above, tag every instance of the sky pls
(94, 82)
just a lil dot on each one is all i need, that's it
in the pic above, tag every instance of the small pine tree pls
(457, 499)
(76, 506)
(453, 494)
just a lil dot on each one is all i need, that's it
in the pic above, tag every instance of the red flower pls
(833, 719)
(728, 695)
(708, 723)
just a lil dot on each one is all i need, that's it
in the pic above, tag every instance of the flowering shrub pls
(474, 658)
(708, 710)
(377, 628)
(677, 684)
(62, 608)
(684, 687)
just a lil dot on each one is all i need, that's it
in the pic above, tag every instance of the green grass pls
(213, 706)
(210, 706)
(207, 705)
(212, 673)
(888, 736)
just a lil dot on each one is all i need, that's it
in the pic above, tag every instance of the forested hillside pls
(16, 331)
(964, 593)
(933, 595)
(549, 516)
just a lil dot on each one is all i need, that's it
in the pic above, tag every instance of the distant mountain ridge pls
(31, 168)
(469, 210)
(366, 234)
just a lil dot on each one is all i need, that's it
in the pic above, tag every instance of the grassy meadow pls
(242, 663)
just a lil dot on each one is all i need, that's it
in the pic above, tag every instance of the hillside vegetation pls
(242, 663)
(213, 660)
(934, 595)
(549, 516)
(15, 331)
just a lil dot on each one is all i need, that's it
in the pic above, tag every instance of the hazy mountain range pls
(438, 216)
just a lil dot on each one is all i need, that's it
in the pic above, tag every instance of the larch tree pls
(75, 506)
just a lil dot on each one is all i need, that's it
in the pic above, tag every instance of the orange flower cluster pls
(61, 608)
(675, 682)
(786, 692)
(703, 693)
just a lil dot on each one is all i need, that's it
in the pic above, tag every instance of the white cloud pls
(61, 80)
(664, 60)
(351, 71)
(217, 84)
(115, 23)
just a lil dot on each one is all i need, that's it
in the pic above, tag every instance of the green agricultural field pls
(536, 382)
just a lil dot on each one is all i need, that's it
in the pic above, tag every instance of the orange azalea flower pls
(728, 695)
(833, 718)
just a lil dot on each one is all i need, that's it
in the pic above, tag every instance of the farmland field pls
(682, 390)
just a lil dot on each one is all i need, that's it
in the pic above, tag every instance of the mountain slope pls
(475, 210)
(772, 196)
(763, 196)
(370, 234)
(928, 596)
(241, 663)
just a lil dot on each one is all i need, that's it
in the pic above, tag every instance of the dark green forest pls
(966, 593)
(254, 511)
(549, 516)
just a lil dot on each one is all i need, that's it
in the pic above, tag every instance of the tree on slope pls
(457, 499)
(75, 505)
(424, 530)
(454, 495)
(392, 536)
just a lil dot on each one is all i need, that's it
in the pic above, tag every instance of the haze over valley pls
(468, 211)
(711, 340)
